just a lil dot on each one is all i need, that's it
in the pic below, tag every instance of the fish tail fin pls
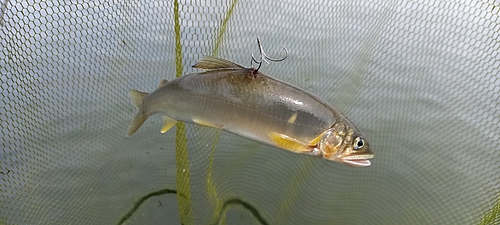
(137, 99)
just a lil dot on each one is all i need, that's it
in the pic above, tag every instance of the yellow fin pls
(289, 143)
(316, 140)
(213, 63)
(207, 124)
(162, 82)
(292, 118)
(167, 124)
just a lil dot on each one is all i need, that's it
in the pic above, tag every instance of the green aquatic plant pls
(211, 189)
(219, 215)
(137, 204)
(183, 172)
(492, 217)
(183, 177)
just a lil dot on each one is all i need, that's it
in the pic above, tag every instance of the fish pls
(248, 103)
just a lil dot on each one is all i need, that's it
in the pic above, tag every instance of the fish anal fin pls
(167, 124)
(214, 63)
(206, 123)
(289, 143)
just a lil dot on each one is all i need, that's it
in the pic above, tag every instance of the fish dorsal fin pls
(213, 63)
(162, 82)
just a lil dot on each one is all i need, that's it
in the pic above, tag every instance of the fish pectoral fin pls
(167, 124)
(207, 124)
(315, 141)
(289, 143)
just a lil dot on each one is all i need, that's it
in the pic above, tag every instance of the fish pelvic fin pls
(137, 99)
(209, 63)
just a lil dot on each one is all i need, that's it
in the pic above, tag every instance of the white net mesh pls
(421, 80)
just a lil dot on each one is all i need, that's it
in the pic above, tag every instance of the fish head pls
(343, 143)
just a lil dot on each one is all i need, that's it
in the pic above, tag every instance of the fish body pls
(250, 104)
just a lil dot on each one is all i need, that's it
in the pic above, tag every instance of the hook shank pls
(264, 57)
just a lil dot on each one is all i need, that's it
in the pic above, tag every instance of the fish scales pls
(244, 105)
(250, 104)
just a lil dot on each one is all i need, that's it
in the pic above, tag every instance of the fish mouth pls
(357, 162)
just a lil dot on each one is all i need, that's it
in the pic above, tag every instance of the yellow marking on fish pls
(289, 143)
(293, 118)
(167, 124)
(207, 124)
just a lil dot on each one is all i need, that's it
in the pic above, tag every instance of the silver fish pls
(245, 102)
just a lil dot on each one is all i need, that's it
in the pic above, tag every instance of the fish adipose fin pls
(139, 119)
(289, 143)
(167, 124)
(209, 63)
(162, 82)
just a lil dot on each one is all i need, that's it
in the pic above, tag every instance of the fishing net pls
(420, 79)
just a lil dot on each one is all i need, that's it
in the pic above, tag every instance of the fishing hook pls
(264, 57)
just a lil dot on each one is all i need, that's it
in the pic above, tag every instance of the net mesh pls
(421, 79)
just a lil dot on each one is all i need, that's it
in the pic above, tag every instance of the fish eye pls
(359, 143)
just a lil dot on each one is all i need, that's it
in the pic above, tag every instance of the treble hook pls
(264, 57)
